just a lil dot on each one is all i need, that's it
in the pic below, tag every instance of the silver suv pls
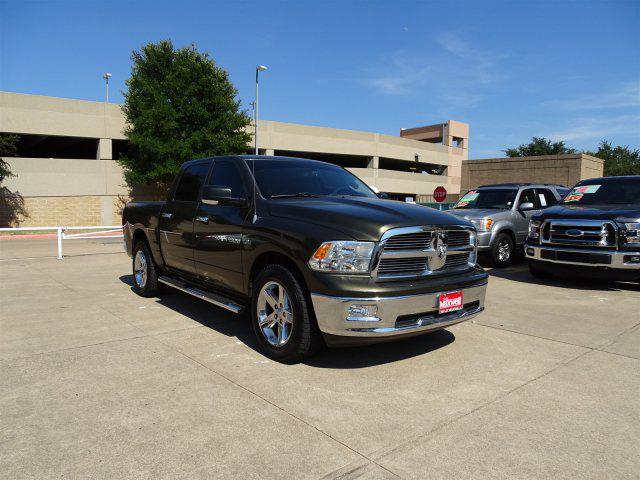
(501, 214)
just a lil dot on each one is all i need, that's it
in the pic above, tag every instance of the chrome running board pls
(217, 300)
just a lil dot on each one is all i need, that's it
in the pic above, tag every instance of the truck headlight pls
(483, 224)
(631, 233)
(342, 256)
(534, 229)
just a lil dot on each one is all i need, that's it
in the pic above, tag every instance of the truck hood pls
(475, 213)
(591, 212)
(359, 217)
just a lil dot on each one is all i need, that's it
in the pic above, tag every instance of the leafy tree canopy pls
(539, 146)
(179, 105)
(8, 148)
(618, 160)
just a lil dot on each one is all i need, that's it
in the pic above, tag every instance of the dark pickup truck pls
(310, 249)
(594, 232)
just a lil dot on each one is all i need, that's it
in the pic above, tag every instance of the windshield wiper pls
(296, 195)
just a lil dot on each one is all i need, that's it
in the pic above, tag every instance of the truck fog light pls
(363, 313)
(530, 251)
(632, 259)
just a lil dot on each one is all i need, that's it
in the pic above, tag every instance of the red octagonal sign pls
(440, 193)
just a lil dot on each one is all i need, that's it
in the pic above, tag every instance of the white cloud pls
(591, 128)
(457, 73)
(626, 95)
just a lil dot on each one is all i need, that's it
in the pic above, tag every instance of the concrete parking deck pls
(96, 382)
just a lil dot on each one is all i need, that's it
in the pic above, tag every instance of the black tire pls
(147, 287)
(538, 273)
(500, 258)
(304, 338)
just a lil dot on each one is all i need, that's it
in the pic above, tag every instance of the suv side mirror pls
(220, 195)
(526, 206)
(382, 195)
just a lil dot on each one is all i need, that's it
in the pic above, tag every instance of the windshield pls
(304, 178)
(501, 198)
(610, 192)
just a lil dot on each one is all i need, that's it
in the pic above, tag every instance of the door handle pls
(202, 219)
(167, 214)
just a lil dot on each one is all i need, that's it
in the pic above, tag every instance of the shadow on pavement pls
(346, 357)
(520, 273)
(381, 353)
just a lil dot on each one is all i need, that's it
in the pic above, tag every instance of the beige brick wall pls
(53, 211)
(561, 169)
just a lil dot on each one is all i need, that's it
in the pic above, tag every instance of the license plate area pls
(450, 302)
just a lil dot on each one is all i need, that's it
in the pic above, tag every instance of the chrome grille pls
(458, 238)
(407, 266)
(579, 233)
(409, 241)
(456, 260)
(411, 251)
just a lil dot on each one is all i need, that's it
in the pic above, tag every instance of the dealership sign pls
(439, 194)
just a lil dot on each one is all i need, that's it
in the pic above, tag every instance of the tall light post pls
(259, 68)
(107, 76)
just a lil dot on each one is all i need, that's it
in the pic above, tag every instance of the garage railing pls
(101, 231)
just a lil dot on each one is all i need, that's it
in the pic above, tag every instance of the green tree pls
(539, 146)
(179, 105)
(618, 160)
(8, 148)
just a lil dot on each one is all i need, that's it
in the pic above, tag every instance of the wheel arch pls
(273, 257)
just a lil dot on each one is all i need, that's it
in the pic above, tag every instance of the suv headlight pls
(534, 229)
(630, 233)
(483, 225)
(342, 256)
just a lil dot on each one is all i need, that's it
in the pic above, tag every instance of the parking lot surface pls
(97, 382)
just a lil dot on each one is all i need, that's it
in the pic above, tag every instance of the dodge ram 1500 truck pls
(594, 232)
(316, 256)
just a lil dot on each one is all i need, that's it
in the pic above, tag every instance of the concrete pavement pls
(96, 382)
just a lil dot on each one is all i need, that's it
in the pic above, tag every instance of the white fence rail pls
(101, 231)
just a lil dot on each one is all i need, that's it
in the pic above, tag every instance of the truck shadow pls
(346, 357)
(381, 353)
(520, 273)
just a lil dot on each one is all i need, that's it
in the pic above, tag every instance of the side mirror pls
(527, 206)
(220, 195)
(382, 195)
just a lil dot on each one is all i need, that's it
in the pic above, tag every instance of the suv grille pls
(412, 252)
(579, 233)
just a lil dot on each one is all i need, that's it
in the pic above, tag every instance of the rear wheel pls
(502, 250)
(282, 317)
(145, 274)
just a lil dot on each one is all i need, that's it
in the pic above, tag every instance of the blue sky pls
(512, 70)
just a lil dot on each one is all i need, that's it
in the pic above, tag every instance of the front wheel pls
(502, 251)
(282, 317)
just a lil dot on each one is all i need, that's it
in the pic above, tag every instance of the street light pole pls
(259, 68)
(106, 76)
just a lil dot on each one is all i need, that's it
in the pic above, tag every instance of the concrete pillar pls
(374, 162)
(105, 149)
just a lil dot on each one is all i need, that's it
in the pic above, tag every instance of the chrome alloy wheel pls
(504, 250)
(275, 314)
(140, 269)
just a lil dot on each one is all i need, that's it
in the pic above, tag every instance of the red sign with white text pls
(439, 194)
(450, 302)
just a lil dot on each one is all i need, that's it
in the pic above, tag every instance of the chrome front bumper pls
(534, 252)
(333, 318)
